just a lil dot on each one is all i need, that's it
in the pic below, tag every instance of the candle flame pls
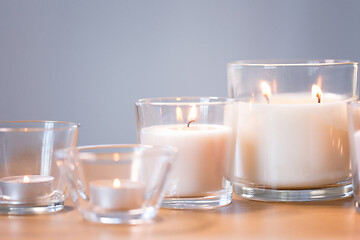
(116, 157)
(179, 114)
(316, 92)
(116, 183)
(266, 90)
(26, 179)
(192, 114)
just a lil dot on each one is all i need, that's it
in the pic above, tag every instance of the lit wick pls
(188, 125)
(316, 92)
(192, 115)
(266, 90)
(267, 98)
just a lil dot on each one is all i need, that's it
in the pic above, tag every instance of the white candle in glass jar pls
(203, 150)
(117, 194)
(293, 142)
(26, 188)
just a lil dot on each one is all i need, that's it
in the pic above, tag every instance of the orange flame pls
(26, 179)
(316, 92)
(192, 114)
(116, 183)
(266, 90)
(116, 157)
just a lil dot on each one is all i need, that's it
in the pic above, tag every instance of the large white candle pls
(117, 194)
(26, 188)
(294, 142)
(203, 150)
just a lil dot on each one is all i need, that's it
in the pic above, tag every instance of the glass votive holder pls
(292, 140)
(353, 109)
(30, 182)
(202, 129)
(117, 184)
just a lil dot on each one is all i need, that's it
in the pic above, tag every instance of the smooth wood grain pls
(242, 219)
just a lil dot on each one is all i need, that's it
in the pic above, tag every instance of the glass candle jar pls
(117, 184)
(30, 182)
(202, 129)
(292, 140)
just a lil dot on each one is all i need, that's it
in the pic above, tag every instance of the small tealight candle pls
(117, 194)
(26, 188)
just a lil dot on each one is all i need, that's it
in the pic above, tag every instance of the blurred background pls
(89, 61)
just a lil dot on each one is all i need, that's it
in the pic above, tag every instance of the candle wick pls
(267, 98)
(319, 98)
(188, 125)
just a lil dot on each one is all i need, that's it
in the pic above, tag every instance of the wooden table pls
(242, 219)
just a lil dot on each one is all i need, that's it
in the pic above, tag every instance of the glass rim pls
(291, 62)
(179, 101)
(63, 126)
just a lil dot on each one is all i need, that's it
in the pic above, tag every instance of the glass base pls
(207, 202)
(335, 192)
(24, 209)
(136, 216)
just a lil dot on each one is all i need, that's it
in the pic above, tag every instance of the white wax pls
(293, 142)
(203, 150)
(15, 189)
(129, 195)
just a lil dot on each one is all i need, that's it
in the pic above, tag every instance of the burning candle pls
(316, 92)
(266, 90)
(294, 142)
(26, 188)
(117, 194)
(203, 150)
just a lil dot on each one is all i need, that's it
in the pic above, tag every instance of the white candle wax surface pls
(203, 150)
(294, 142)
(26, 188)
(126, 195)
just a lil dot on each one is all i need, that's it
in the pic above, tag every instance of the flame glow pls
(179, 114)
(26, 179)
(116, 183)
(116, 157)
(192, 114)
(266, 90)
(316, 92)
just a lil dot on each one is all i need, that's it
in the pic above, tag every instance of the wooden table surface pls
(242, 219)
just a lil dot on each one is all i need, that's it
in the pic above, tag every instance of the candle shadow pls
(242, 206)
(239, 203)
(341, 203)
(171, 222)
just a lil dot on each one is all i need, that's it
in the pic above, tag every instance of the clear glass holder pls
(30, 182)
(117, 184)
(292, 137)
(202, 129)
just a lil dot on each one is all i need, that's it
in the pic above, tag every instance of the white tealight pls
(117, 194)
(26, 188)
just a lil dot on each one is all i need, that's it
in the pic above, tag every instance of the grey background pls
(89, 61)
